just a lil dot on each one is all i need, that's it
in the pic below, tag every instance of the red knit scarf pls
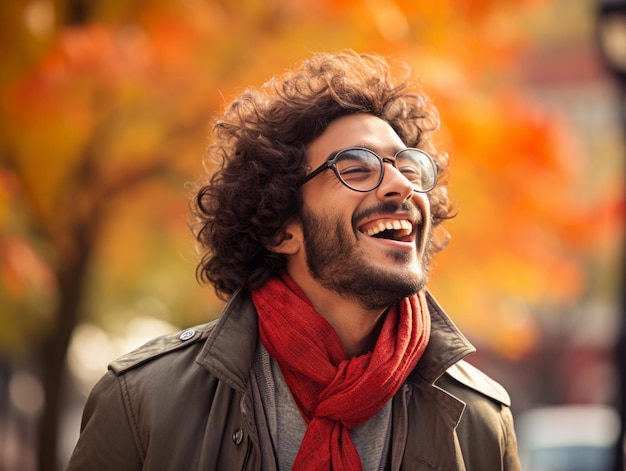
(335, 394)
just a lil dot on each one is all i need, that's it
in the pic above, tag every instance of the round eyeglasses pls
(361, 169)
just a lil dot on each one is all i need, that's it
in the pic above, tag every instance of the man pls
(318, 226)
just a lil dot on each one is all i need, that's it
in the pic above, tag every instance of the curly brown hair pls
(260, 149)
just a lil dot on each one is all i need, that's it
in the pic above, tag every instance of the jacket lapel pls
(430, 442)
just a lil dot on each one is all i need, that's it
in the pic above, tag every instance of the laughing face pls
(371, 247)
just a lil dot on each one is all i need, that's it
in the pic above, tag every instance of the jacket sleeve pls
(107, 440)
(510, 458)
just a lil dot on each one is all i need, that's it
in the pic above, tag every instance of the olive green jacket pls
(184, 402)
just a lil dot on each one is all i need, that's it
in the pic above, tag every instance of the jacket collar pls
(446, 346)
(232, 342)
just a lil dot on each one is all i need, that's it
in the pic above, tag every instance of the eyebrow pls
(392, 151)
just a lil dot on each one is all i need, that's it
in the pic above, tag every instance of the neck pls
(358, 339)
(356, 327)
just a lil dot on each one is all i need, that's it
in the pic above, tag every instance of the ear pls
(289, 240)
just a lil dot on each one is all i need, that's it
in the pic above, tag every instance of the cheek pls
(331, 202)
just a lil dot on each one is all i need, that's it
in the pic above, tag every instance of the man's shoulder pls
(471, 377)
(162, 346)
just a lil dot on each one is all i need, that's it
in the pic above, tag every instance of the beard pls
(336, 261)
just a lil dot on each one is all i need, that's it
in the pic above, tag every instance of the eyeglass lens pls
(362, 169)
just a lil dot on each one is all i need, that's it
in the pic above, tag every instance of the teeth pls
(396, 225)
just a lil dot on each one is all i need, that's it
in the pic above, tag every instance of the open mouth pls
(390, 229)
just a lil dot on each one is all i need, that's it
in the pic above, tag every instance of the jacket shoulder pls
(473, 378)
(161, 346)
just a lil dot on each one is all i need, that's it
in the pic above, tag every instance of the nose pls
(395, 186)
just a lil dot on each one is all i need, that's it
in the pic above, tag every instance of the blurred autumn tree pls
(106, 108)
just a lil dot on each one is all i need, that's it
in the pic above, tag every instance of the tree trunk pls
(53, 350)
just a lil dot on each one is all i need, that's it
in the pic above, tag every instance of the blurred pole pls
(611, 35)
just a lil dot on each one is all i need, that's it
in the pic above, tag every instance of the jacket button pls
(238, 436)
(188, 334)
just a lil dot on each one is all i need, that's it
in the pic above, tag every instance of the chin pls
(377, 289)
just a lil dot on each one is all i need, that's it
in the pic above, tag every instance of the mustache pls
(388, 208)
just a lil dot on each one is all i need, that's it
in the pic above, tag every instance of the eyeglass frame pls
(330, 163)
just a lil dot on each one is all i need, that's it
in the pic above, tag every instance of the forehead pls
(354, 130)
